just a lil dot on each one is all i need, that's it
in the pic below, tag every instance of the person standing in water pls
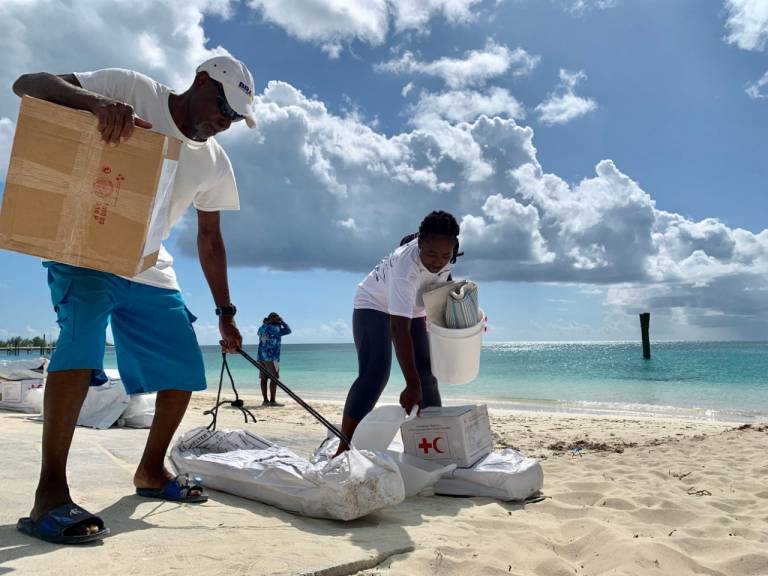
(388, 308)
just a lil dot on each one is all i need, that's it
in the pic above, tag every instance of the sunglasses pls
(224, 108)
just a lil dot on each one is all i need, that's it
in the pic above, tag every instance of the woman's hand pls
(410, 398)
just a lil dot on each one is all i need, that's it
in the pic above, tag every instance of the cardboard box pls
(458, 435)
(70, 198)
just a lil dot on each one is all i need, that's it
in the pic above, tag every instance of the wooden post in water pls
(645, 323)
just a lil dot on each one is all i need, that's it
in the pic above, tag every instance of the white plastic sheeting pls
(375, 432)
(21, 385)
(506, 475)
(238, 462)
(108, 405)
(140, 411)
(23, 369)
(103, 405)
(419, 476)
(353, 484)
(22, 395)
(379, 426)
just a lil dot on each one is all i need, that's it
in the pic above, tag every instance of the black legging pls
(373, 340)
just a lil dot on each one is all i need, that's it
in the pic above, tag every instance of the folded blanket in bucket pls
(462, 309)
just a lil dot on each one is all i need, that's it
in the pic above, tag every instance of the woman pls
(388, 308)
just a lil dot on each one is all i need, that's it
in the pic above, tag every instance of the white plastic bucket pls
(455, 353)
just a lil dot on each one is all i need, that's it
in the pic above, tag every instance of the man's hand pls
(116, 120)
(231, 339)
(410, 398)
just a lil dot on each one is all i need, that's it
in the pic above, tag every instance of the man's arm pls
(116, 119)
(401, 338)
(213, 261)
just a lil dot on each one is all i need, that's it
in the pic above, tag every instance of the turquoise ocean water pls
(701, 380)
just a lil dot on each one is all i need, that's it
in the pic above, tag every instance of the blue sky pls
(604, 157)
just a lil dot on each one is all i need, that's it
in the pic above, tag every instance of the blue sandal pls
(57, 525)
(177, 490)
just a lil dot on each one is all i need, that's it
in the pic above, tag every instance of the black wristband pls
(229, 310)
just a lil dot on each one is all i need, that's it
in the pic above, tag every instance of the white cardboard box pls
(458, 435)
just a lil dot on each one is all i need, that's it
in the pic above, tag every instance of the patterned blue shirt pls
(269, 341)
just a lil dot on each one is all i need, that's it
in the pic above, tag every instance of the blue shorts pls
(155, 343)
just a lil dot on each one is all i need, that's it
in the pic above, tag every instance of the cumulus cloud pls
(563, 105)
(350, 189)
(475, 68)
(466, 105)
(747, 23)
(331, 23)
(63, 37)
(165, 40)
(323, 190)
(415, 14)
(747, 27)
(704, 274)
(339, 195)
(507, 230)
(759, 90)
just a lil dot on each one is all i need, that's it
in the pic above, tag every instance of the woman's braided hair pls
(442, 224)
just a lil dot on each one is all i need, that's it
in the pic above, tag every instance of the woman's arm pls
(401, 338)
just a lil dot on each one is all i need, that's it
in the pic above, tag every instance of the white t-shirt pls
(204, 176)
(397, 283)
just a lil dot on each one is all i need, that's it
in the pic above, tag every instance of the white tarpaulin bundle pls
(238, 462)
(21, 385)
(22, 389)
(375, 432)
(103, 405)
(23, 369)
(108, 405)
(22, 395)
(505, 475)
(139, 410)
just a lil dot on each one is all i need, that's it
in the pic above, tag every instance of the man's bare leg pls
(272, 384)
(65, 393)
(170, 407)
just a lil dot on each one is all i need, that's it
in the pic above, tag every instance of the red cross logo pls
(424, 445)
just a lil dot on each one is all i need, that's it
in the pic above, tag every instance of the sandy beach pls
(622, 496)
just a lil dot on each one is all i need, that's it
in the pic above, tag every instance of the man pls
(156, 347)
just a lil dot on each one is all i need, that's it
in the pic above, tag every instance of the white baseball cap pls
(237, 81)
